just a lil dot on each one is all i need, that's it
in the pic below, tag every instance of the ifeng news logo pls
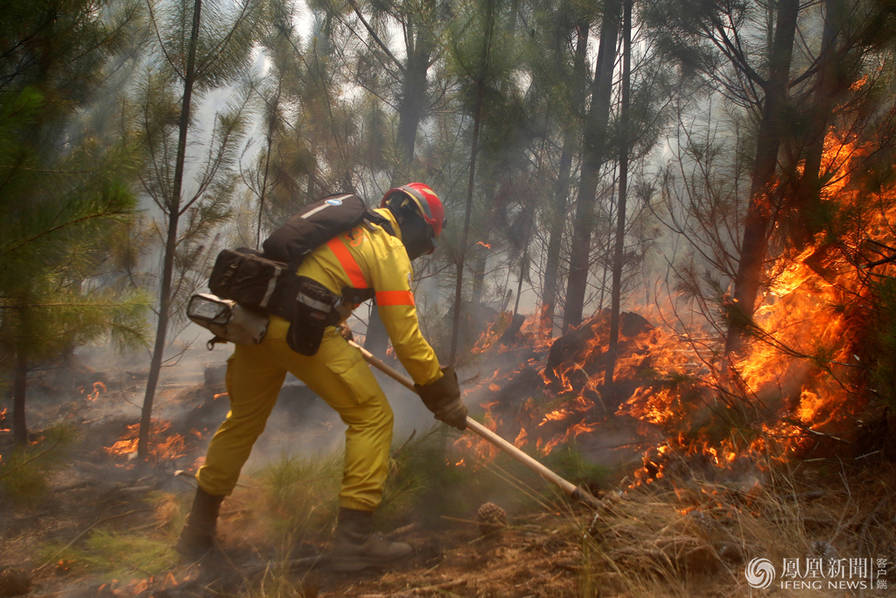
(760, 573)
(818, 573)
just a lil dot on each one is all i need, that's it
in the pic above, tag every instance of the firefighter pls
(376, 257)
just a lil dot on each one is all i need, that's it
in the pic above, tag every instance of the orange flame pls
(792, 381)
(162, 446)
(98, 389)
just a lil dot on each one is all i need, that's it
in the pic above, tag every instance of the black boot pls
(356, 547)
(198, 535)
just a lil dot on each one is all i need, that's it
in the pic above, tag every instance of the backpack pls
(267, 281)
(316, 224)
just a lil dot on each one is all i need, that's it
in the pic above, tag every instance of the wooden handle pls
(474, 426)
(380, 365)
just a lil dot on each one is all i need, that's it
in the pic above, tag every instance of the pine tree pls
(565, 75)
(479, 72)
(65, 187)
(618, 252)
(204, 45)
(594, 154)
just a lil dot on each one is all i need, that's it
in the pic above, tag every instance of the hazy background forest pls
(724, 169)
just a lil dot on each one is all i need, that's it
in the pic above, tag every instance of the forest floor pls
(82, 518)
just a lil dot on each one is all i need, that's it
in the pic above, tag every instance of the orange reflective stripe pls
(394, 298)
(348, 263)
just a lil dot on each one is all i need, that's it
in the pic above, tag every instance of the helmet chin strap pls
(416, 236)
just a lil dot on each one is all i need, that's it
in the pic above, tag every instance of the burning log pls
(579, 359)
(566, 398)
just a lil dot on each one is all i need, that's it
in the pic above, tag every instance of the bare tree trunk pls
(524, 269)
(19, 392)
(155, 364)
(413, 97)
(561, 189)
(618, 254)
(754, 244)
(480, 253)
(269, 142)
(592, 159)
(806, 200)
(410, 112)
(474, 150)
(479, 263)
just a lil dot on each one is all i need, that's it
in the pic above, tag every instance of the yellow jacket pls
(368, 257)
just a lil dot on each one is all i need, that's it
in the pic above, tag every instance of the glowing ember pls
(98, 389)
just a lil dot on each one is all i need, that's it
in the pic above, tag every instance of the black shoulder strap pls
(382, 221)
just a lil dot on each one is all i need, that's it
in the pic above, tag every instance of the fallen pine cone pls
(492, 519)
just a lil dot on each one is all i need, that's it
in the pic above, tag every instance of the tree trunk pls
(19, 391)
(754, 244)
(479, 263)
(805, 206)
(524, 267)
(155, 364)
(480, 253)
(474, 150)
(561, 189)
(618, 253)
(592, 159)
(273, 110)
(410, 113)
(413, 98)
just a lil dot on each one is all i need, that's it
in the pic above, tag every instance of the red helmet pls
(428, 203)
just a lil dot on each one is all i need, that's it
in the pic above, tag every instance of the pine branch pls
(155, 28)
(62, 226)
(376, 38)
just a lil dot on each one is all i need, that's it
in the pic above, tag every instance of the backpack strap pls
(382, 221)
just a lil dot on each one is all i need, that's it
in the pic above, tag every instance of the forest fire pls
(723, 174)
(164, 446)
(789, 392)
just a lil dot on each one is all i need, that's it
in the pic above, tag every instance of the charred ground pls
(93, 520)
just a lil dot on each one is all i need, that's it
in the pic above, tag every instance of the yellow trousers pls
(339, 375)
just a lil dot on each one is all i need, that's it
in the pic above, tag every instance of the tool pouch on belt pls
(314, 310)
(229, 320)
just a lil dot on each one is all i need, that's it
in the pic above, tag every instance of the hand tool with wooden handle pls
(576, 492)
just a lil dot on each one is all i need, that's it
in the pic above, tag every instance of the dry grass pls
(688, 536)
(690, 533)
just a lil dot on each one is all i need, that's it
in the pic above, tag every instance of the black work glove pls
(442, 397)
